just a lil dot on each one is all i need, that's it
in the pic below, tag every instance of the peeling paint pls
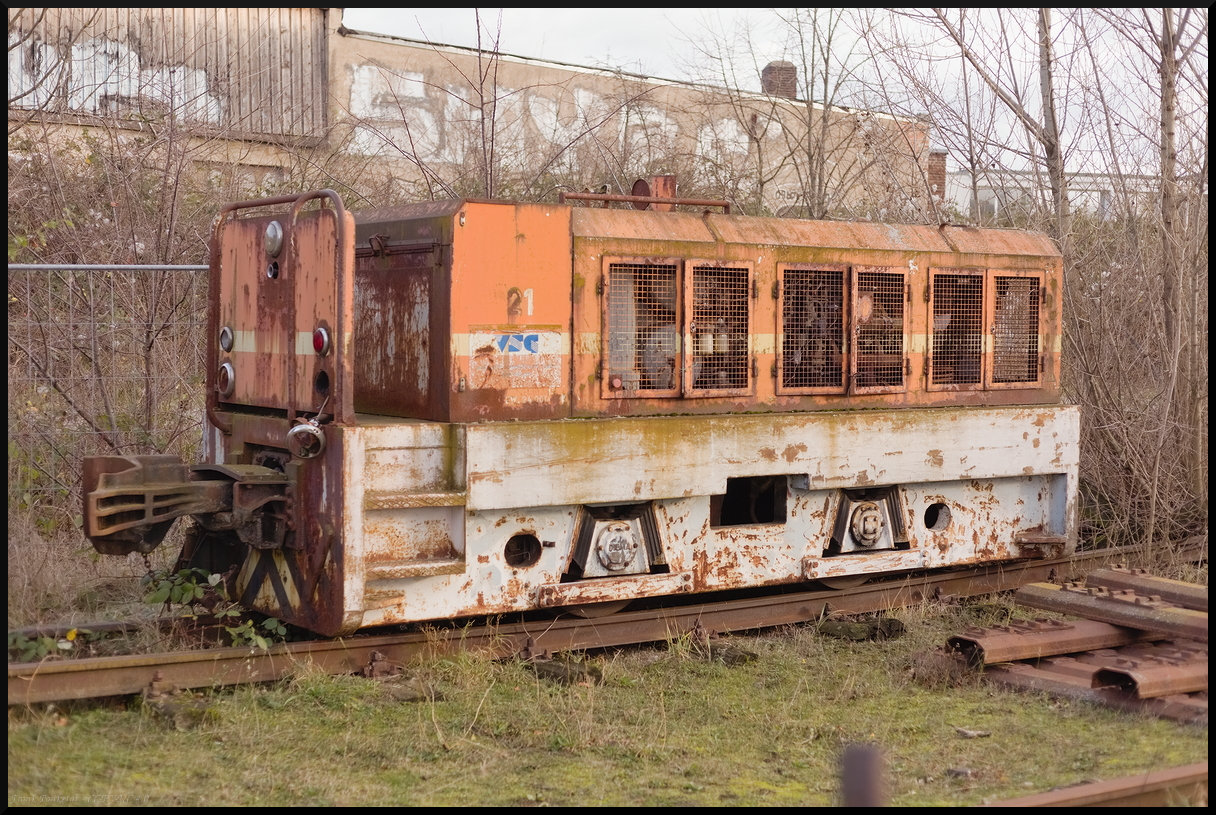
(792, 451)
(468, 496)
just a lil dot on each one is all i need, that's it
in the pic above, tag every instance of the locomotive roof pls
(628, 224)
(742, 229)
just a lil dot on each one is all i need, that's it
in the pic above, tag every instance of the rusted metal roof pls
(423, 209)
(973, 240)
(628, 224)
(594, 222)
(832, 234)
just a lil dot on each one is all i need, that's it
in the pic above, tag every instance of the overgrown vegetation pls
(58, 578)
(191, 592)
(1066, 97)
(664, 728)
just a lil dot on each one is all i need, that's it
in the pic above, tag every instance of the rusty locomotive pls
(463, 408)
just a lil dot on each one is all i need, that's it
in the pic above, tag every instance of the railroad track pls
(1141, 644)
(58, 680)
(1177, 786)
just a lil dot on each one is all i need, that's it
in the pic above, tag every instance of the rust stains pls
(485, 356)
(768, 454)
(792, 451)
(935, 458)
(700, 568)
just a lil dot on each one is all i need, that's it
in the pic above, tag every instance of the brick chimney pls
(780, 79)
(937, 173)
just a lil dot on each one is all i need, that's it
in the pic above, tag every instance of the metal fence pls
(102, 360)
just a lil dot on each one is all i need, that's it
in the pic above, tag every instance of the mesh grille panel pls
(812, 322)
(880, 330)
(1015, 330)
(719, 328)
(642, 335)
(958, 307)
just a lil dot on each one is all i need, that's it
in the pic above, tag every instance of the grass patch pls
(57, 578)
(663, 728)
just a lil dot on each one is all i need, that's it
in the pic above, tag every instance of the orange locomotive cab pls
(460, 408)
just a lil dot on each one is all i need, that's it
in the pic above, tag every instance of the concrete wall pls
(281, 89)
(254, 74)
(547, 123)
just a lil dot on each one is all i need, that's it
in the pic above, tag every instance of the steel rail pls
(1187, 595)
(1119, 607)
(125, 626)
(1178, 786)
(1024, 639)
(95, 677)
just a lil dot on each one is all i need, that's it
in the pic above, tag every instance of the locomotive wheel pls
(591, 611)
(845, 582)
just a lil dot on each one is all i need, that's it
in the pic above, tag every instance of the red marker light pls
(320, 341)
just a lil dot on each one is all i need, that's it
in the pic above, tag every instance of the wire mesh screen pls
(101, 361)
(643, 342)
(812, 324)
(879, 317)
(1015, 330)
(958, 308)
(719, 328)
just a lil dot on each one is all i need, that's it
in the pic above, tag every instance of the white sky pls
(653, 41)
